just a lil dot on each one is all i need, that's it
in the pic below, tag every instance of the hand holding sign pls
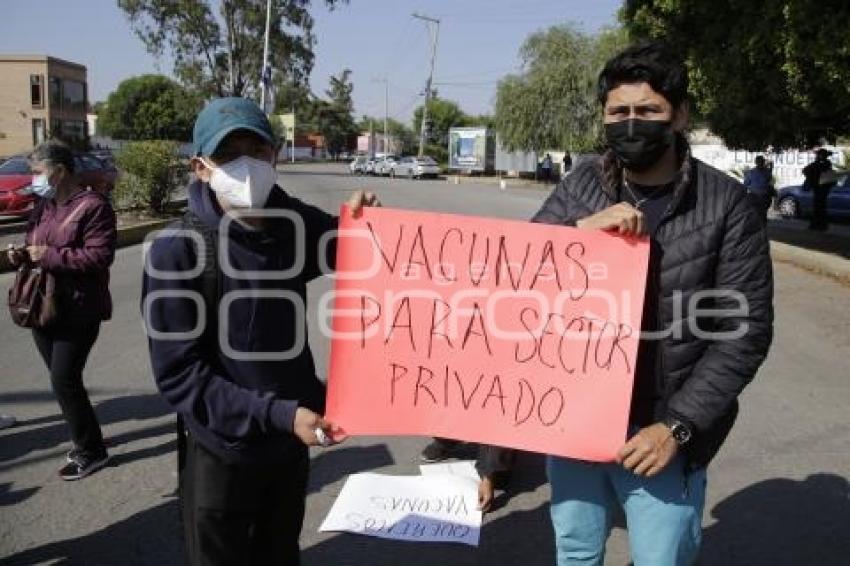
(622, 218)
(504, 333)
(360, 199)
(313, 430)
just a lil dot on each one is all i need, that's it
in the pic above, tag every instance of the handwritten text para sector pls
(454, 256)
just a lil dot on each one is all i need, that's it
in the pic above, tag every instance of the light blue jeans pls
(663, 513)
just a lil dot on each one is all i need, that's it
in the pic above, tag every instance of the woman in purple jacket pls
(72, 235)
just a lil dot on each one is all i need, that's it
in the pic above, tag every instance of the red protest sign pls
(506, 333)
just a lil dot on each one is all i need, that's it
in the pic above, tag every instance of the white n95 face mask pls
(244, 182)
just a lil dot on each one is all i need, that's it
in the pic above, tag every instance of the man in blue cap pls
(224, 297)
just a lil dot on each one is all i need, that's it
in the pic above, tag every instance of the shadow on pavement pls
(145, 453)
(817, 241)
(38, 420)
(149, 537)
(8, 497)
(529, 473)
(522, 537)
(782, 522)
(20, 441)
(37, 395)
(330, 466)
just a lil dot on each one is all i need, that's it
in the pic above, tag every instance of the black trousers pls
(65, 350)
(491, 460)
(237, 514)
(820, 219)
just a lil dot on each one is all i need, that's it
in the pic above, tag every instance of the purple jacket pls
(80, 236)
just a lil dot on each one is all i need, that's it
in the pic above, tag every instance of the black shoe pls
(82, 465)
(438, 450)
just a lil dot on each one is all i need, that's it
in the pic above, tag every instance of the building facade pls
(41, 97)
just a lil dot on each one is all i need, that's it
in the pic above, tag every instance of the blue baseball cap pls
(225, 115)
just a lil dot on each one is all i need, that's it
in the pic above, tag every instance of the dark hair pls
(646, 62)
(53, 153)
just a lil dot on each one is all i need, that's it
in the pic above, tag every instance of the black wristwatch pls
(680, 431)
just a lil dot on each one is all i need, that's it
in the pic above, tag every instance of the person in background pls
(546, 168)
(71, 234)
(819, 180)
(494, 465)
(759, 183)
(566, 164)
(245, 388)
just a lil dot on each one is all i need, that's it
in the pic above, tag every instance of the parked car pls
(385, 164)
(98, 174)
(415, 168)
(369, 167)
(15, 176)
(356, 167)
(104, 155)
(796, 201)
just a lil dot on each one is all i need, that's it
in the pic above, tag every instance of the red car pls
(15, 175)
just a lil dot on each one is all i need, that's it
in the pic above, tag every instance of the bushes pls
(150, 172)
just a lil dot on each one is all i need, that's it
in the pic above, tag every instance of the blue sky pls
(479, 41)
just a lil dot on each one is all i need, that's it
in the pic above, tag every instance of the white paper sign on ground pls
(463, 468)
(432, 508)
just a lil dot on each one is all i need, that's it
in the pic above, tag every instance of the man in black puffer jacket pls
(707, 321)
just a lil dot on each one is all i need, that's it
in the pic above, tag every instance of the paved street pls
(778, 493)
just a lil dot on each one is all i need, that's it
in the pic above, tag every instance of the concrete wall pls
(787, 164)
(16, 110)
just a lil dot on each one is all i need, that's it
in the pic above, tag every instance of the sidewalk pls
(826, 253)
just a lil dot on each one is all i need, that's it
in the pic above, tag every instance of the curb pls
(509, 182)
(129, 236)
(821, 263)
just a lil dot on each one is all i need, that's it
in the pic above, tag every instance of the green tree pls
(223, 56)
(442, 115)
(149, 107)
(407, 139)
(763, 72)
(340, 91)
(552, 103)
(332, 118)
(485, 120)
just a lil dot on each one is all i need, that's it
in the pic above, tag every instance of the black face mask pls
(639, 144)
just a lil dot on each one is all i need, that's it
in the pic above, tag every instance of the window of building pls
(73, 96)
(73, 130)
(37, 91)
(38, 131)
(55, 92)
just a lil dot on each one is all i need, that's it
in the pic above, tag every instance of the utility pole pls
(371, 138)
(267, 72)
(434, 31)
(386, 82)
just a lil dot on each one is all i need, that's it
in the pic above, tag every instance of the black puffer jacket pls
(710, 238)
